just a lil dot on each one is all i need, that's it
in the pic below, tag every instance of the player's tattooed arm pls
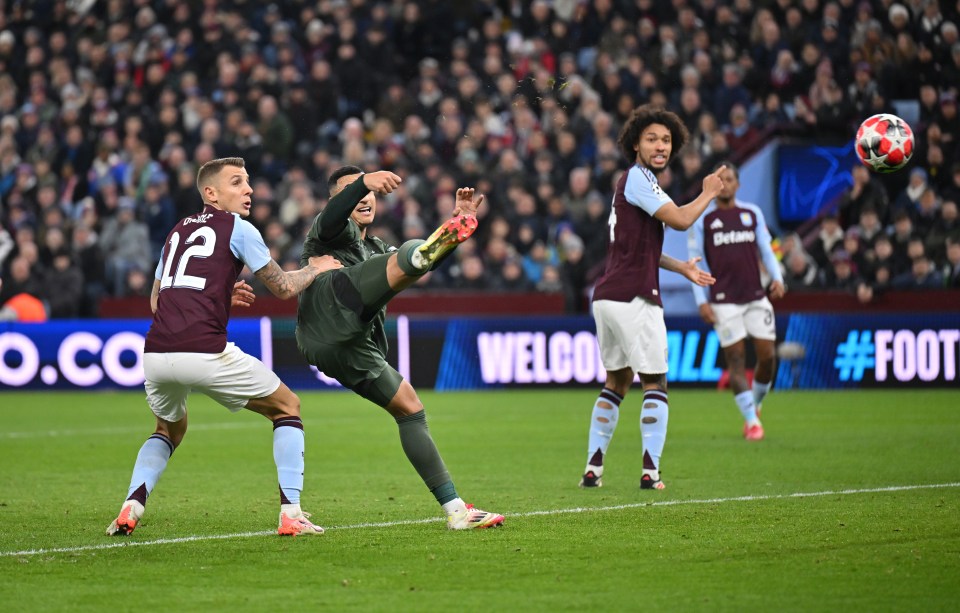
(287, 284)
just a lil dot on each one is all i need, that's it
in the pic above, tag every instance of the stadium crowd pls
(107, 109)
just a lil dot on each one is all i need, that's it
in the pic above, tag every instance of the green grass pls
(66, 461)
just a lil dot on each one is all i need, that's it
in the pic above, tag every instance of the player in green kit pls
(340, 326)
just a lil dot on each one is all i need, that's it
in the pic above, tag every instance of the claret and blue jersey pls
(728, 241)
(200, 262)
(636, 239)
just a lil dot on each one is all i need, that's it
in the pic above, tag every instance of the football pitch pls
(852, 501)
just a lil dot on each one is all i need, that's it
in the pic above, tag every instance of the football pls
(884, 143)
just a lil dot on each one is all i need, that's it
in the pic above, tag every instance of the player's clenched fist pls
(382, 181)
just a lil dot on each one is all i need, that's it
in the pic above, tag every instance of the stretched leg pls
(736, 356)
(421, 451)
(653, 427)
(367, 287)
(603, 423)
(282, 407)
(151, 461)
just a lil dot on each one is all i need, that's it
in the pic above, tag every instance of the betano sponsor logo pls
(734, 237)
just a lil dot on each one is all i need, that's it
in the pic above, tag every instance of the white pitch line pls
(120, 430)
(413, 522)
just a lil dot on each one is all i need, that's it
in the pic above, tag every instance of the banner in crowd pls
(817, 351)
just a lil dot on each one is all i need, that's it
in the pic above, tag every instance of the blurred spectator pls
(63, 287)
(946, 227)
(856, 252)
(866, 192)
(951, 270)
(573, 272)
(829, 237)
(886, 257)
(902, 233)
(869, 226)
(473, 275)
(740, 134)
(801, 272)
(90, 262)
(922, 275)
(908, 200)
(22, 279)
(125, 243)
(842, 274)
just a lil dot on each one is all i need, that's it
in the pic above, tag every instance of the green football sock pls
(404, 256)
(422, 452)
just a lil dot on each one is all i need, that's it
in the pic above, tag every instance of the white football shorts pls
(232, 378)
(736, 322)
(631, 334)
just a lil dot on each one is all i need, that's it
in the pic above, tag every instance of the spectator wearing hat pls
(842, 273)
(862, 89)
(833, 46)
(898, 21)
(908, 200)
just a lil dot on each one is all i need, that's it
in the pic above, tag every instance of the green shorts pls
(361, 369)
(335, 329)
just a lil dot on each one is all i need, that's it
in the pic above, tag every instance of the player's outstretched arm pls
(338, 210)
(466, 204)
(682, 217)
(688, 269)
(287, 284)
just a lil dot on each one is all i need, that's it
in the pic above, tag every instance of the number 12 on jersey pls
(201, 250)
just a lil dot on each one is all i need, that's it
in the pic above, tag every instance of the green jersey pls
(340, 315)
(329, 308)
